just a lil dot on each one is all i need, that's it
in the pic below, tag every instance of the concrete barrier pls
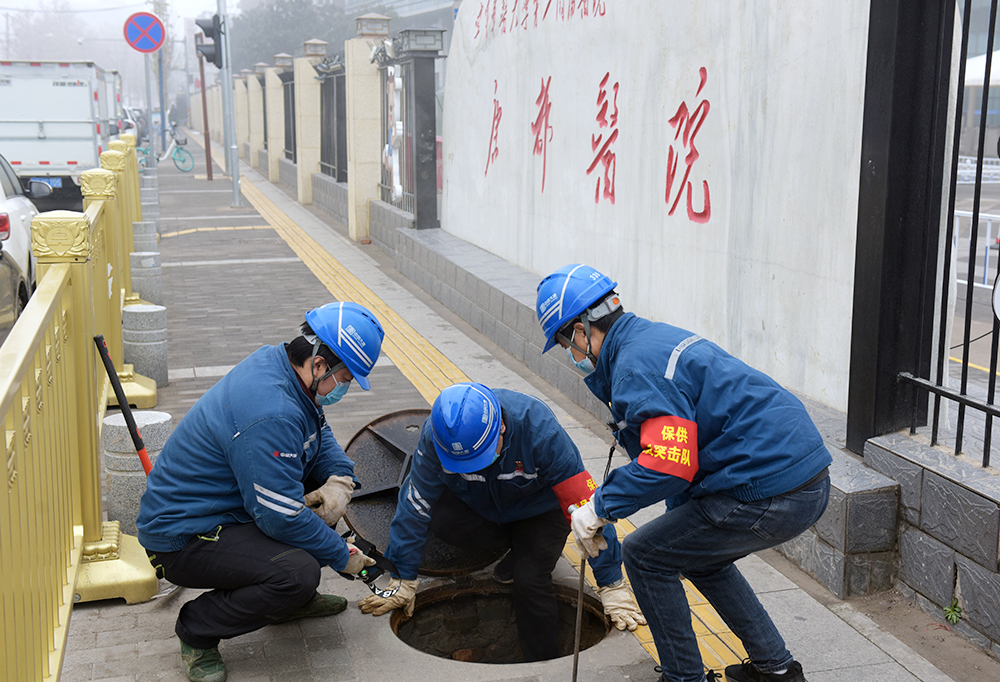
(144, 340)
(126, 478)
(147, 277)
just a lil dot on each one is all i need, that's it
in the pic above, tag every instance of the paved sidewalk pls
(235, 279)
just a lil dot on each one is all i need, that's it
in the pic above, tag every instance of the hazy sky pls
(114, 12)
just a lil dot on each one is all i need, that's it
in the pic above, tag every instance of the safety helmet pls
(566, 294)
(465, 422)
(352, 332)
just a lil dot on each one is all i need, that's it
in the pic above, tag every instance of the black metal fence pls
(396, 187)
(288, 85)
(963, 402)
(333, 126)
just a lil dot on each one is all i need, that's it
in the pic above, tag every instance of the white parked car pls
(17, 264)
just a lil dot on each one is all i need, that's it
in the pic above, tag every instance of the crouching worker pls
(225, 507)
(494, 470)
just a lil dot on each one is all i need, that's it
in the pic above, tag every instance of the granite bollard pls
(147, 277)
(144, 236)
(126, 478)
(144, 340)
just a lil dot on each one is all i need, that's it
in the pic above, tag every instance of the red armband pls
(574, 490)
(670, 446)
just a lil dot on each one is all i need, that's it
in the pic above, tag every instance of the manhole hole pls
(475, 623)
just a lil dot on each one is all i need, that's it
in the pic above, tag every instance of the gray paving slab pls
(255, 292)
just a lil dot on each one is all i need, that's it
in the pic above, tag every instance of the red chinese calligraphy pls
(491, 155)
(478, 18)
(687, 124)
(605, 156)
(503, 16)
(541, 128)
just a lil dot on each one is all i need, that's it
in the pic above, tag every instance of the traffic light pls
(212, 28)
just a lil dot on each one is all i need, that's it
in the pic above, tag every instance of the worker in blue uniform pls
(226, 504)
(494, 470)
(735, 457)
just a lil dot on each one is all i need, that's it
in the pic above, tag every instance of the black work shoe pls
(203, 665)
(747, 672)
(503, 572)
(317, 607)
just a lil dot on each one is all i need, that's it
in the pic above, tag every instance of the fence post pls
(274, 103)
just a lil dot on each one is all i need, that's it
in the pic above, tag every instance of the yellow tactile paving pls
(430, 371)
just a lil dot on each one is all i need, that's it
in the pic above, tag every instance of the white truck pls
(56, 120)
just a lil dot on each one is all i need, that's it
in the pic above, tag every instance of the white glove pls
(620, 606)
(330, 500)
(405, 597)
(357, 561)
(585, 525)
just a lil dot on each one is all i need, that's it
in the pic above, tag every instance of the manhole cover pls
(475, 623)
(381, 452)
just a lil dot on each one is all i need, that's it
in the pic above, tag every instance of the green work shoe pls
(319, 606)
(203, 665)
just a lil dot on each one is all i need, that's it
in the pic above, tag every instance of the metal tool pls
(579, 614)
(116, 384)
(369, 574)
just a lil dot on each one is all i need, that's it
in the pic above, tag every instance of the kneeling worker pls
(494, 470)
(225, 505)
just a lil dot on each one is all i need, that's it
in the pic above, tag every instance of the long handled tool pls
(579, 613)
(116, 384)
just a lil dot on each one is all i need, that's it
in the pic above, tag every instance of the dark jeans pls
(255, 580)
(535, 545)
(701, 539)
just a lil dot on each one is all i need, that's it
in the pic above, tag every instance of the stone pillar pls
(255, 109)
(242, 115)
(144, 340)
(147, 278)
(307, 114)
(144, 236)
(274, 100)
(126, 477)
(364, 138)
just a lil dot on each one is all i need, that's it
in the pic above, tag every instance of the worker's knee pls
(299, 574)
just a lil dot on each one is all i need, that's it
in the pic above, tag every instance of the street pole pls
(151, 160)
(163, 110)
(204, 111)
(228, 112)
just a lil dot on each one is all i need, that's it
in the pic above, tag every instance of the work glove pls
(586, 524)
(620, 606)
(329, 501)
(357, 561)
(404, 598)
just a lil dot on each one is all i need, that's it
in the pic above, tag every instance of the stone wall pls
(949, 532)
(288, 174)
(384, 226)
(262, 160)
(331, 195)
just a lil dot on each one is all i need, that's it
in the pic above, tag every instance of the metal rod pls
(116, 384)
(579, 613)
(204, 111)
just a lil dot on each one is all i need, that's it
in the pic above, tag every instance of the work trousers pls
(535, 544)
(254, 579)
(700, 540)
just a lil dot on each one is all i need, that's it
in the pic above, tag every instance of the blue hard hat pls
(465, 422)
(566, 294)
(352, 332)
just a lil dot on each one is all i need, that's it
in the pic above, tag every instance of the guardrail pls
(967, 170)
(54, 548)
(985, 280)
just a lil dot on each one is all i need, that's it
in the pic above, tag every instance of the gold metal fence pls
(54, 548)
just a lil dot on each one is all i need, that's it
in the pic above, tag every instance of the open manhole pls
(381, 452)
(475, 622)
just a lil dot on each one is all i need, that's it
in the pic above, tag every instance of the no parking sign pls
(144, 32)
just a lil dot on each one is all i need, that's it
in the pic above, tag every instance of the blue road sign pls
(144, 32)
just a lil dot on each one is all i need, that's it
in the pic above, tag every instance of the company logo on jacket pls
(285, 454)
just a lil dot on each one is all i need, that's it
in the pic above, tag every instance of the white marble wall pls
(774, 96)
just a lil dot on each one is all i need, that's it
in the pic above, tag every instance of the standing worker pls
(735, 456)
(225, 505)
(494, 470)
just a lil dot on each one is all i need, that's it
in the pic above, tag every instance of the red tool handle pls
(116, 384)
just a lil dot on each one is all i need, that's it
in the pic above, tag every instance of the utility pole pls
(204, 111)
(229, 128)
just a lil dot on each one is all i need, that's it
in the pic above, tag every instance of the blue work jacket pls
(539, 469)
(754, 438)
(241, 454)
